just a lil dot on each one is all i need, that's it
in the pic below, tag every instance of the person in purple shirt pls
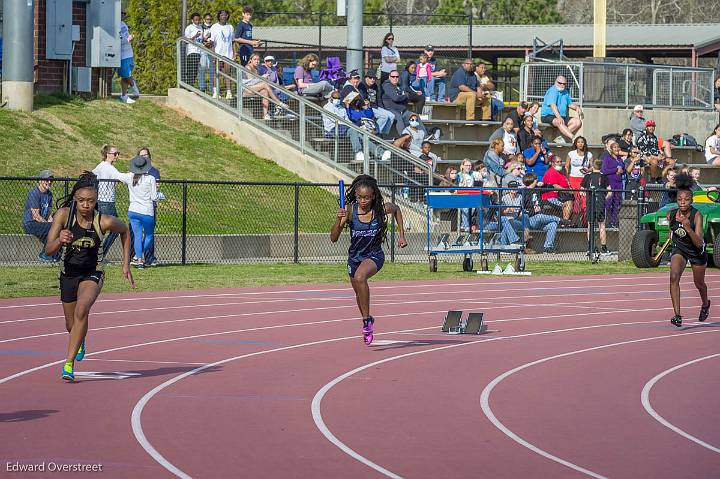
(614, 168)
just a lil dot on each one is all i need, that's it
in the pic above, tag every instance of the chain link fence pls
(241, 222)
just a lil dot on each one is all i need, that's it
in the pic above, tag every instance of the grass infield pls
(42, 280)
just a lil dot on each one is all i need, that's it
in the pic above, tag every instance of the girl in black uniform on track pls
(365, 213)
(81, 266)
(686, 230)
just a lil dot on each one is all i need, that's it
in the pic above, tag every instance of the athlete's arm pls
(57, 236)
(114, 225)
(340, 221)
(393, 209)
(696, 235)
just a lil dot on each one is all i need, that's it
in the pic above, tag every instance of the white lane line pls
(438, 283)
(485, 396)
(136, 419)
(143, 361)
(377, 298)
(645, 400)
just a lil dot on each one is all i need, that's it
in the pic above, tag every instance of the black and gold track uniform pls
(682, 243)
(83, 259)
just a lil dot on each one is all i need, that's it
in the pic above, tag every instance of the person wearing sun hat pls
(141, 213)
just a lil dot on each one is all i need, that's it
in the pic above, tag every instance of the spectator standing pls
(464, 88)
(412, 86)
(37, 214)
(107, 175)
(244, 36)
(389, 57)
(489, 105)
(493, 158)
(637, 122)
(526, 132)
(712, 147)
(626, 142)
(598, 185)
(207, 63)
(613, 167)
(395, 100)
(518, 115)
(149, 253)
(423, 74)
(368, 91)
(636, 174)
(143, 194)
(465, 180)
(193, 32)
(304, 80)
(127, 64)
(578, 163)
(555, 107)
(535, 219)
(536, 158)
(222, 34)
(438, 76)
(507, 133)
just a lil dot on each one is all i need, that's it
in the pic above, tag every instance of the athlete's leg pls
(699, 278)
(677, 266)
(359, 282)
(88, 292)
(69, 311)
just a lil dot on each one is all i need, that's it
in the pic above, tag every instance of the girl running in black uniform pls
(365, 212)
(686, 229)
(81, 267)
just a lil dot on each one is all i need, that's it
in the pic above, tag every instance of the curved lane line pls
(645, 400)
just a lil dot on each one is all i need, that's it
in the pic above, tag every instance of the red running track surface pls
(577, 377)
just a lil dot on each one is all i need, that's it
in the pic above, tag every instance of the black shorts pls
(694, 258)
(69, 284)
(599, 212)
(377, 257)
(549, 119)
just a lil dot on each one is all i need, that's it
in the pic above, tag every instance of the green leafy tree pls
(522, 12)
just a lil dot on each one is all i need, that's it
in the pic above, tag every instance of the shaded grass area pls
(42, 281)
(66, 134)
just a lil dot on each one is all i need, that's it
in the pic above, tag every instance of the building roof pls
(508, 36)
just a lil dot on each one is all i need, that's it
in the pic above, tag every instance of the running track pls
(578, 377)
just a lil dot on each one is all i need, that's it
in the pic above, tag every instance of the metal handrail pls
(303, 105)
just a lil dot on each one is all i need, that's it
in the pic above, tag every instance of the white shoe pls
(126, 99)
(229, 95)
(135, 88)
(560, 140)
(267, 117)
(385, 156)
(359, 157)
(214, 95)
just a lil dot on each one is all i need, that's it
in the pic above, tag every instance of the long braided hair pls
(378, 204)
(86, 180)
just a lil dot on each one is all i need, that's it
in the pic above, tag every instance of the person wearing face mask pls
(555, 107)
(417, 134)
(384, 117)
(359, 113)
(206, 61)
(559, 195)
(334, 105)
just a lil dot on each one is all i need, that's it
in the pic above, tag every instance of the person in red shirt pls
(555, 178)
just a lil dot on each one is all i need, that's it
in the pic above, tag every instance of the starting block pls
(453, 323)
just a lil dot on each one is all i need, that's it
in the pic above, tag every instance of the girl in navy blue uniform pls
(686, 229)
(81, 266)
(366, 213)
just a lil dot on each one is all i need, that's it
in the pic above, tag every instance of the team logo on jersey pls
(681, 232)
(83, 243)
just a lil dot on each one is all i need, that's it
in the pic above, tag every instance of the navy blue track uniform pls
(363, 243)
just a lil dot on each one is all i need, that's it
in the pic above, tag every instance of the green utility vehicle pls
(654, 232)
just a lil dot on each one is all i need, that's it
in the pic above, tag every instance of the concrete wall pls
(601, 121)
(252, 138)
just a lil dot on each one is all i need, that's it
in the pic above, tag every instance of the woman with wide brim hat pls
(141, 213)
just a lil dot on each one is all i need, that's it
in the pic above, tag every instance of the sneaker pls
(560, 140)
(215, 93)
(549, 251)
(140, 264)
(704, 312)
(126, 99)
(135, 261)
(359, 157)
(604, 250)
(229, 95)
(267, 117)
(385, 156)
(152, 264)
(676, 320)
(81, 352)
(135, 89)
(367, 330)
(47, 259)
(68, 374)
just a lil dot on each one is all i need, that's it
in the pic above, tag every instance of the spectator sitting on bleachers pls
(507, 133)
(518, 114)
(534, 109)
(636, 177)
(555, 107)
(395, 100)
(669, 195)
(273, 72)
(334, 105)
(514, 172)
(637, 122)
(712, 147)
(304, 80)
(648, 145)
(359, 113)
(255, 85)
(626, 142)
(559, 195)
(414, 88)
(37, 214)
(487, 86)
(383, 117)
(493, 158)
(716, 93)
(526, 132)
(694, 173)
(537, 158)
(535, 219)
(482, 176)
(507, 226)
(428, 156)
(614, 168)
(417, 134)
(449, 177)
(438, 76)
(466, 180)
(464, 88)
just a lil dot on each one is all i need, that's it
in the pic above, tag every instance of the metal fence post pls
(301, 125)
(184, 222)
(320, 25)
(180, 57)
(239, 92)
(640, 206)
(591, 224)
(366, 152)
(627, 86)
(390, 18)
(470, 35)
(296, 241)
(671, 88)
(392, 226)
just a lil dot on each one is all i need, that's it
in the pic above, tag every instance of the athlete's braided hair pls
(378, 204)
(87, 180)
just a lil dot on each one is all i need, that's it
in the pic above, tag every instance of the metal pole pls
(180, 58)
(354, 60)
(18, 58)
(184, 223)
(591, 223)
(296, 244)
(470, 36)
(320, 22)
(183, 16)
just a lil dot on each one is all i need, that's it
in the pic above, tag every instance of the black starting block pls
(453, 323)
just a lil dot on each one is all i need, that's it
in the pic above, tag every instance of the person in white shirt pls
(107, 175)
(389, 57)
(194, 33)
(141, 212)
(222, 34)
(127, 63)
(712, 147)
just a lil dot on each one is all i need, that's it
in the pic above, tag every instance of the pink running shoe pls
(367, 330)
